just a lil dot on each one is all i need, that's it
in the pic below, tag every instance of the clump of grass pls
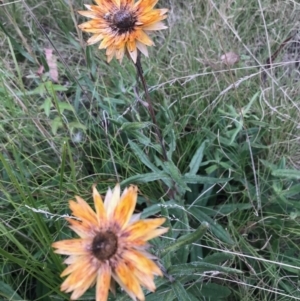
(231, 143)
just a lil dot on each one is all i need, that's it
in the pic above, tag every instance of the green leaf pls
(56, 123)
(282, 163)
(156, 208)
(9, 293)
(218, 258)
(215, 228)
(287, 173)
(225, 209)
(211, 291)
(235, 132)
(292, 191)
(76, 125)
(67, 32)
(197, 159)
(186, 239)
(160, 295)
(170, 168)
(135, 126)
(248, 106)
(182, 225)
(46, 87)
(172, 144)
(180, 292)
(147, 177)
(268, 164)
(141, 155)
(197, 267)
(46, 106)
(65, 106)
(17, 46)
(144, 140)
(196, 179)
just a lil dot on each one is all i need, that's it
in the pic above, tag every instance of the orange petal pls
(83, 211)
(90, 14)
(146, 280)
(112, 286)
(120, 40)
(102, 10)
(154, 233)
(151, 17)
(163, 11)
(103, 283)
(126, 206)
(72, 259)
(131, 48)
(120, 54)
(107, 200)
(142, 48)
(126, 279)
(117, 3)
(143, 38)
(133, 55)
(91, 30)
(99, 206)
(95, 39)
(155, 26)
(106, 42)
(80, 276)
(145, 5)
(127, 3)
(72, 246)
(143, 228)
(91, 25)
(80, 280)
(108, 5)
(78, 262)
(110, 56)
(112, 198)
(142, 263)
(83, 230)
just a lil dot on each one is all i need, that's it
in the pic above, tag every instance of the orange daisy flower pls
(112, 246)
(123, 26)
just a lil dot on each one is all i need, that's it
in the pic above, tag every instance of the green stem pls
(140, 73)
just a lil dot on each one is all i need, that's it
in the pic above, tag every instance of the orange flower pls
(112, 246)
(123, 26)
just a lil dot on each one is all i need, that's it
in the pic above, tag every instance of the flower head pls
(123, 26)
(112, 246)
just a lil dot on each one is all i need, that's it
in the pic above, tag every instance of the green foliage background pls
(230, 188)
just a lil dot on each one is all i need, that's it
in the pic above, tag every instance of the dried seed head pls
(104, 245)
(123, 19)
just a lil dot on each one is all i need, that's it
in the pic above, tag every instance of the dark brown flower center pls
(123, 20)
(104, 245)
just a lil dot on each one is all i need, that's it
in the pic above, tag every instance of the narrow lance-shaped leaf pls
(186, 239)
(197, 159)
(287, 173)
(215, 227)
(170, 168)
(196, 179)
(141, 155)
(8, 293)
(180, 292)
(199, 267)
(218, 258)
(147, 177)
